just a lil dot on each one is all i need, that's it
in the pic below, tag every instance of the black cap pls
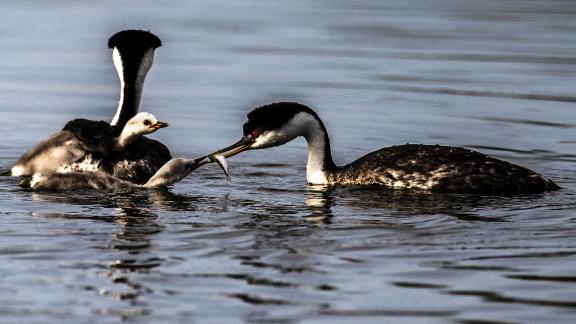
(274, 115)
(134, 39)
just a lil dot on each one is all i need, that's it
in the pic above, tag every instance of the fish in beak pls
(221, 160)
(242, 145)
(206, 159)
(220, 156)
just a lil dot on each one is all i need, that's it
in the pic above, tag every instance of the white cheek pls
(297, 126)
(269, 139)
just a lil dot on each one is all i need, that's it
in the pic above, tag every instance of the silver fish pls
(222, 162)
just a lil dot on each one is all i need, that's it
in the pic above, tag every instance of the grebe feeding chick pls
(431, 168)
(87, 141)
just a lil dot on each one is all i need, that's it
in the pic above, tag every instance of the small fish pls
(222, 162)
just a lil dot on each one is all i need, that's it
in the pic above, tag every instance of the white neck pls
(143, 69)
(315, 173)
(126, 137)
(171, 172)
(120, 69)
(306, 125)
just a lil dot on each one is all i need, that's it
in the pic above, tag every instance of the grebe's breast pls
(439, 168)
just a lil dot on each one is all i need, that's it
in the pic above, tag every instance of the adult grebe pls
(133, 55)
(82, 138)
(431, 168)
(171, 172)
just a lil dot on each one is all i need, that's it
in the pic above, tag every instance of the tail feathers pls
(550, 185)
(6, 173)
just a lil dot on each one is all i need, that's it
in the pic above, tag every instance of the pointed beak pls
(159, 125)
(238, 147)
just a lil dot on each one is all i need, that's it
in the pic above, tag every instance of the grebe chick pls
(432, 168)
(81, 138)
(171, 172)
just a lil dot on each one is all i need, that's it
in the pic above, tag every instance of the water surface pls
(495, 76)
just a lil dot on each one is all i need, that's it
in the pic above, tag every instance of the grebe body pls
(440, 169)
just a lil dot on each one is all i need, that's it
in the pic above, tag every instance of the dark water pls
(497, 76)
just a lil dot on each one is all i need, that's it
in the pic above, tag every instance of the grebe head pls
(133, 55)
(133, 52)
(273, 125)
(143, 123)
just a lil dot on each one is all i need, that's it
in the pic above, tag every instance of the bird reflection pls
(137, 224)
(405, 203)
(130, 248)
(319, 200)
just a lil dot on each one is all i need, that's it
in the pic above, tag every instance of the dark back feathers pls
(97, 135)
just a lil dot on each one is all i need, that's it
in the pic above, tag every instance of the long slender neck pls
(171, 172)
(320, 162)
(132, 72)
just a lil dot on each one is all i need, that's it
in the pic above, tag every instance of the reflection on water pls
(319, 200)
(496, 76)
(130, 247)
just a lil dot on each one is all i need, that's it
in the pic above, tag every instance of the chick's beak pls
(159, 124)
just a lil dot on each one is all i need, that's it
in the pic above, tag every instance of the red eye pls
(254, 133)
